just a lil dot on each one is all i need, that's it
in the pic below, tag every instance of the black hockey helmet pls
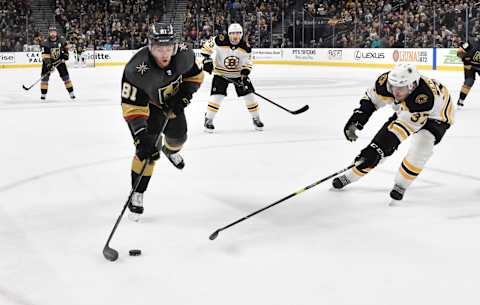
(161, 34)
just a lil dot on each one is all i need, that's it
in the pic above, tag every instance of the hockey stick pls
(108, 252)
(215, 234)
(41, 77)
(298, 111)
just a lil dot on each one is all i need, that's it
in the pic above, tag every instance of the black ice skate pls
(340, 182)
(397, 192)
(209, 125)
(175, 158)
(257, 124)
(460, 103)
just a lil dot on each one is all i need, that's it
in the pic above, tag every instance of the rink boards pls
(430, 59)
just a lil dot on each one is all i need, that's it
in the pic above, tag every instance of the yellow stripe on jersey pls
(228, 69)
(447, 109)
(132, 111)
(195, 78)
(406, 125)
(399, 130)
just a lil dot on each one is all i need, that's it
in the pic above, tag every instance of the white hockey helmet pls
(235, 28)
(402, 75)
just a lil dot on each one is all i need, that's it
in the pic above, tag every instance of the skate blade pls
(134, 217)
(208, 130)
(258, 128)
(395, 203)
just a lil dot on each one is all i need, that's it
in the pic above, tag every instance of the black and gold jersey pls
(54, 49)
(145, 83)
(470, 54)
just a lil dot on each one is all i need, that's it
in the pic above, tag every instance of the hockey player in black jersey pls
(423, 110)
(157, 82)
(54, 54)
(469, 52)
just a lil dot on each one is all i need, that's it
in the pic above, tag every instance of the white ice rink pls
(66, 175)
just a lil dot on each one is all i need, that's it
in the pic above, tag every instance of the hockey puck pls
(135, 252)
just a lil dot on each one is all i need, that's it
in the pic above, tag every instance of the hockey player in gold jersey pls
(158, 81)
(423, 110)
(54, 55)
(232, 61)
(469, 52)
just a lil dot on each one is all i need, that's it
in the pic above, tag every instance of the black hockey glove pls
(178, 102)
(244, 79)
(64, 56)
(208, 65)
(146, 146)
(358, 119)
(370, 156)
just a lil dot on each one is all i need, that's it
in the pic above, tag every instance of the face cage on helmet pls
(166, 43)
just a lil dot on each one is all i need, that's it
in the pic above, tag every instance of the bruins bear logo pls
(231, 62)
(421, 99)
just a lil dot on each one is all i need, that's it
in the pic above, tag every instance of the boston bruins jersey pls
(430, 100)
(145, 83)
(229, 59)
(54, 50)
(470, 53)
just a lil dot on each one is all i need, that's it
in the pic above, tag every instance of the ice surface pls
(66, 174)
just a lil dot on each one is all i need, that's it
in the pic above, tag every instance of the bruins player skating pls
(423, 110)
(469, 52)
(233, 61)
(55, 53)
(158, 80)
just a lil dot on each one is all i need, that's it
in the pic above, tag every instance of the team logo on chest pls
(231, 62)
(55, 53)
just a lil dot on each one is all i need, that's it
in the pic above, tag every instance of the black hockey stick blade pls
(301, 110)
(110, 254)
(26, 88)
(214, 235)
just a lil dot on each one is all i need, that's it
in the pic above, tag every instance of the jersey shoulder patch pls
(221, 40)
(381, 85)
(138, 64)
(423, 97)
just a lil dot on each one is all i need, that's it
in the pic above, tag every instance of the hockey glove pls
(350, 130)
(244, 79)
(146, 146)
(208, 65)
(64, 56)
(370, 156)
(178, 102)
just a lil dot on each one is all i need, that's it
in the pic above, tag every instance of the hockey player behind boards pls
(158, 80)
(423, 109)
(233, 61)
(54, 54)
(469, 52)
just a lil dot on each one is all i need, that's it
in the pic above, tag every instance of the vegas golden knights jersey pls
(54, 49)
(229, 59)
(430, 100)
(471, 54)
(145, 83)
